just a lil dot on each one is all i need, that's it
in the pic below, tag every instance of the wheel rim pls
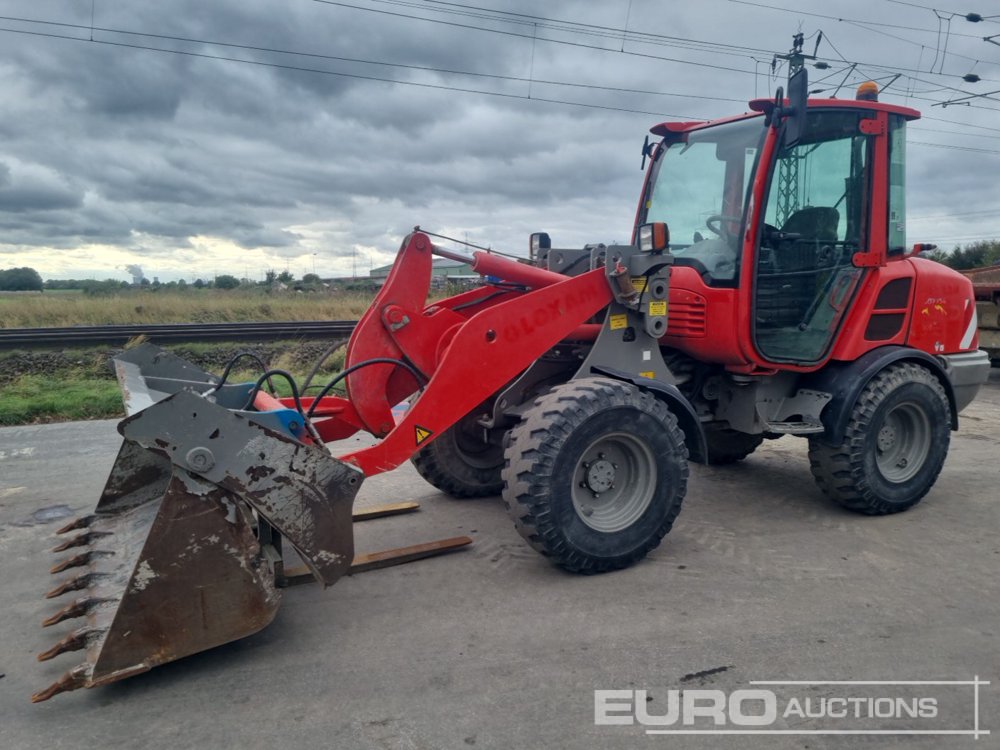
(613, 482)
(902, 442)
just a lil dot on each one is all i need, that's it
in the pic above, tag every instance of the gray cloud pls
(145, 151)
(29, 189)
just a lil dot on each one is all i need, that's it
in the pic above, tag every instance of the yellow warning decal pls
(619, 321)
(651, 375)
(639, 282)
(658, 307)
(422, 433)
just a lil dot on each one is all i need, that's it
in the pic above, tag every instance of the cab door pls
(816, 219)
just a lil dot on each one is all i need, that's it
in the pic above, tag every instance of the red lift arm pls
(464, 348)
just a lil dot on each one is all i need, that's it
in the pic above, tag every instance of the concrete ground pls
(761, 579)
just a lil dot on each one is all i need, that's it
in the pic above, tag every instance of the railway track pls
(36, 338)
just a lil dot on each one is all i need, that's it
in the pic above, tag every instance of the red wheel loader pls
(767, 291)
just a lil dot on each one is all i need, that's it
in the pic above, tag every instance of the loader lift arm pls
(509, 328)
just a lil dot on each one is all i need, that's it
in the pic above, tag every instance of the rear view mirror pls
(798, 93)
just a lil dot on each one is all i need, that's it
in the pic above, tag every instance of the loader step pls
(795, 428)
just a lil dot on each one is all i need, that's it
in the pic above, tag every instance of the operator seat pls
(814, 223)
(787, 287)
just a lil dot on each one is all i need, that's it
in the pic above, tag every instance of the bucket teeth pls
(77, 609)
(75, 641)
(83, 522)
(181, 552)
(73, 584)
(76, 561)
(75, 678)
(81, 540)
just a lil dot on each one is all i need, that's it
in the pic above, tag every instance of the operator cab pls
(784, 218)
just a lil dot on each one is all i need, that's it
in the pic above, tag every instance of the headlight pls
(654, 237)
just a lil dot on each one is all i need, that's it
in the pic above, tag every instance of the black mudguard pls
(846, 380)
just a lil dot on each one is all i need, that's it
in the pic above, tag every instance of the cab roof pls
(764, 106)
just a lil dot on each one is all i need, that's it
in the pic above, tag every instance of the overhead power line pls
(618, 34)
(952, 13)
(963, 124)
(359, 76)
(928, 217)
(532, 37)
(873, 26)
(337, 58)
(955, 147)
(919, 129)
(881, 24)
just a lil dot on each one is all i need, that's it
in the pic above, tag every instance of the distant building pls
(443, 270)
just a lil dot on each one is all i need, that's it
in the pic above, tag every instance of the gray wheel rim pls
(902, 442)
(613, 482)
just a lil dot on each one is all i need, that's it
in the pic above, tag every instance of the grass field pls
(48, 309)
(42, 398)
(43, 386)
(79, 384)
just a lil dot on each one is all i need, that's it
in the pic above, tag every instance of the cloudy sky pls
(233, 136)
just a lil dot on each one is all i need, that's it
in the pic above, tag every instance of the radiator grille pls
(686, 316)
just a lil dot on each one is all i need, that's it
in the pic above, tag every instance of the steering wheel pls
(714, 223)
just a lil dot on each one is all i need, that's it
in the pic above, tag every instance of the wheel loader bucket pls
(183, 549)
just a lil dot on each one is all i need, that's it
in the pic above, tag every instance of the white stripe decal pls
(970, 331)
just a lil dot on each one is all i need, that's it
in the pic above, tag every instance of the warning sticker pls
(639, 282)
(422, 433)
(658, 307)
(651, 375)
(619, 321)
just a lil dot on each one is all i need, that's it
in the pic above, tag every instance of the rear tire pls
(461, 464)
(595, 474)
(894, 446)
(727, 446)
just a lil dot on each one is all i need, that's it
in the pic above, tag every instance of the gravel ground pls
(760, 579)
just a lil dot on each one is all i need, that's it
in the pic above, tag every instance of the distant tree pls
(198, 284)
(983, 253)
(270, 277)
(312, 278)
(22, 279)
(84, 284)
(285, 277)
(181, 284)
(144, 282)
(941, 256)
(225, 281)
(95, 288)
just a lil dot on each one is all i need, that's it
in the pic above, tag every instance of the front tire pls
(894, 446)
(595, 474)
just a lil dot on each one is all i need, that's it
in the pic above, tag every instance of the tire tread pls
(532, 447)
(839, 471)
